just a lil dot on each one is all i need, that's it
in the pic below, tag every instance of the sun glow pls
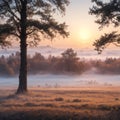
(84, 35)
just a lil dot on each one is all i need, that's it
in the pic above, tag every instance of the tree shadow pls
(8, 97)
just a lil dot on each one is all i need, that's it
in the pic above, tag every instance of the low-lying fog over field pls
(88, 77)
(56, 81)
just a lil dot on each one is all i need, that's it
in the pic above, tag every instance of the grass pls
(101, 103)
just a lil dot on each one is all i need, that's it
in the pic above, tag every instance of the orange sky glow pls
(82, 27)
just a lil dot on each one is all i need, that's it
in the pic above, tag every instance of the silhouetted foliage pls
(26, 20)
(105, 40)
(109, 66)
(107, 13)
(70, 60)
(37, 64)
(4, 30)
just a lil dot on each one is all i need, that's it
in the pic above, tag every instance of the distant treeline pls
(67, 63)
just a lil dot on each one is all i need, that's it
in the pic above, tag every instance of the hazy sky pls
(83, 30)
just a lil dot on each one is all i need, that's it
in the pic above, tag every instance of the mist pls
(59, 81)
(85, 53)
(44, 71)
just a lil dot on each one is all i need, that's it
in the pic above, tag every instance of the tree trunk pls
(22, 88)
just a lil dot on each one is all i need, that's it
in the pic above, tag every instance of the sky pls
(81, 26)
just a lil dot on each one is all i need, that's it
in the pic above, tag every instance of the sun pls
(84, 35)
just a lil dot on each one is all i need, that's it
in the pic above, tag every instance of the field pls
(85, 103)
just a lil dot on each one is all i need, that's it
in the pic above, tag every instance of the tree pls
(27, 20)
(107, 13)
(70, 59)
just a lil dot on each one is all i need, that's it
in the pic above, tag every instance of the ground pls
(85, 103)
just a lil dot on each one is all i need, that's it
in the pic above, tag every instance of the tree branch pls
(17, 5)
(10, 11)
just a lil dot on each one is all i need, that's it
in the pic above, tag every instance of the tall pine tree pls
(27, 20)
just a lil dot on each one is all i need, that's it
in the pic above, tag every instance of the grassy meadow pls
(85, 103)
